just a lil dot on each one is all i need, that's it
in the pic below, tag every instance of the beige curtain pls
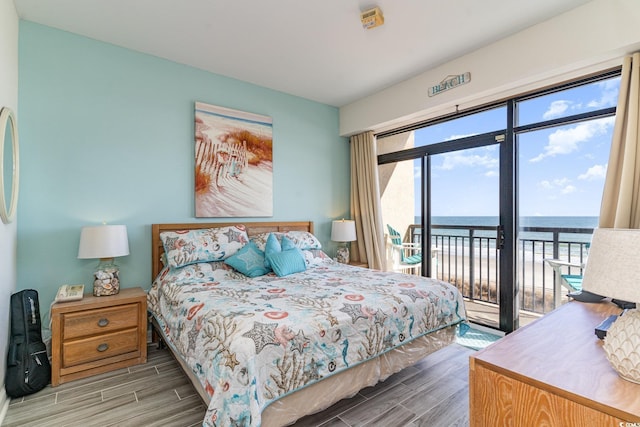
(365, 202)
(621, 196)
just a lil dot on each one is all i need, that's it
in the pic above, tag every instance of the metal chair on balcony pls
(407, 257)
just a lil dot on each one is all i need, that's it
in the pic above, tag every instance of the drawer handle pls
(103, 347)
(103, 322)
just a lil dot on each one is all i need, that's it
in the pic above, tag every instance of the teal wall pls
(106, 134)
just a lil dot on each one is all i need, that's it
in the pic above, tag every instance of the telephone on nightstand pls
(69, 293)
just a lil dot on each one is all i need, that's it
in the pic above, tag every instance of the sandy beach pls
(536, 278)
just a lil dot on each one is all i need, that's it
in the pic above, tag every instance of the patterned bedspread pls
(251, 341)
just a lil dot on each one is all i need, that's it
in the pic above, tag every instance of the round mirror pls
(8, 165)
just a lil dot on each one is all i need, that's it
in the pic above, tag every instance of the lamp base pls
(622, 345)
(342, 255)
(106, 278)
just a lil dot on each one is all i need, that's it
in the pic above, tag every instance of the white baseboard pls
(4, 404)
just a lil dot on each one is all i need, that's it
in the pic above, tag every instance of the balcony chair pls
(407, 257)
(572, 282)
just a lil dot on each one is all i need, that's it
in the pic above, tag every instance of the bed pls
(270, 349)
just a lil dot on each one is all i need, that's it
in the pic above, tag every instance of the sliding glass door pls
(445, 197)
(465, 225)
(491, 195)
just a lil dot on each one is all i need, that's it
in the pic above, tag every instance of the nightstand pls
(359, 264)
(98, 334)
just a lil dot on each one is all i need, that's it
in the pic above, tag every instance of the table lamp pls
(613, 270)
(105, 242)
(343, 231)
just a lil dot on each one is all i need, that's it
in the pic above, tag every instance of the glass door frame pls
(508, 317)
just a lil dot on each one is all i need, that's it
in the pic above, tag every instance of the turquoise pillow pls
(249, 261)
(287, 244)
(287, 262)
(271, 247)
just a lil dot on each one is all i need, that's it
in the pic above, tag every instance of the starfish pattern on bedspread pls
(262, 334)
(299, 342)
(354, 311)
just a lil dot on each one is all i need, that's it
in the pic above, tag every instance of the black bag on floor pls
(28, 367)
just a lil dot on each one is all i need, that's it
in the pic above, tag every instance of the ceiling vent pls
(371, 18)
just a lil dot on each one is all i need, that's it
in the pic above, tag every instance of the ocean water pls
(566, 222)
(526, 221)
(552, 222)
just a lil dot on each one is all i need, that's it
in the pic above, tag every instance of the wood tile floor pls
(433, 392)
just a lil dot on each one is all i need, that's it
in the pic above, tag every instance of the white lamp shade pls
(613, 266)
(103, 241)
(343, 231)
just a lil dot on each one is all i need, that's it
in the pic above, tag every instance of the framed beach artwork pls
(234, 163)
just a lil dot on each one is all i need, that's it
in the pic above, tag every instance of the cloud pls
(595, 172)
(457, 159)
(608, 94)
(567, 140)
(454, 137)
(559, 182)
(558, 185)
(556, 109)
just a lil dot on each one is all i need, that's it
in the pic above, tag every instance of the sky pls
(561, 169)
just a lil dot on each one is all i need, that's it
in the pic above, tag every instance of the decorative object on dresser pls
(8, 176)
(613, 270)
(105, 242)
(343, 231)
(98, 334)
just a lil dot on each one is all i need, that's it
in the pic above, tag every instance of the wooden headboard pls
(253, 228)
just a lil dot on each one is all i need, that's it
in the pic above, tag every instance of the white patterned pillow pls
(301, 239)
(205, 245)
(314, 257)
(216, 271)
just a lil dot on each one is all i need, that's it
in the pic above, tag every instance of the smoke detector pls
(371, 18)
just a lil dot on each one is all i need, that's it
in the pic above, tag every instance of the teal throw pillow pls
(249, 261)
(287, 262)
(271, 247)
(287, 244)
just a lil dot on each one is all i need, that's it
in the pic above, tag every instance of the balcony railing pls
(468, 257)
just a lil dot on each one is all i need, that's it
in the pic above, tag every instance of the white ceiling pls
(316, 50)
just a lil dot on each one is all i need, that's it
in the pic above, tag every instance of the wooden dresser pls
(98, 334)
(552, 372)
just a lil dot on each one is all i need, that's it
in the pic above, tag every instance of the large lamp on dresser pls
(613, 270)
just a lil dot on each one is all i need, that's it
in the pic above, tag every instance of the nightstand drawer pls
(99, 347)
(100, 321)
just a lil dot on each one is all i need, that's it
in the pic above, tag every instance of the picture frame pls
(233, 163)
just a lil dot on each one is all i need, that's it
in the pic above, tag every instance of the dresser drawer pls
(102, 346)
(99, 321)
